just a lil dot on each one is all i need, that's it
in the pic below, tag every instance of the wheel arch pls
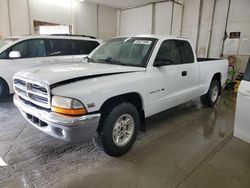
(133, 98)
(217, 76)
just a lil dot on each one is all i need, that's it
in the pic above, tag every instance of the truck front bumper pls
(63, 127)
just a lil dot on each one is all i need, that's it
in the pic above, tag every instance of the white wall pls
(4, 19)
(107, 25)
(162, 18)
(196, 23)
(205, 28)
(155, 18)
(190, 20)
(83, 16)
(19, 17)
(218, 28)
(177, 20)
(239, 17)
(103, 21)
(18, 21)
(136, 21)
(54, 11)
(239, 20)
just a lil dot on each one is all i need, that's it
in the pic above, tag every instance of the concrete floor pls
(187, 146)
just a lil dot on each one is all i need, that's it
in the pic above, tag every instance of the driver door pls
(166, 83)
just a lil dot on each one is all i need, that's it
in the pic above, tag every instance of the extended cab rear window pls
(186, 52)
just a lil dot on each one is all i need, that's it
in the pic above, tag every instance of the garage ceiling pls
(123, 3)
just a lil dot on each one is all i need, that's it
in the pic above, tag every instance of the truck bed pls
(201, 59)
(208, 68)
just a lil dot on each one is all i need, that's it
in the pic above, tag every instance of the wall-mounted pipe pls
(97, 21)
(228, 10)
(119, 22)
(72, 17)
(10, 25)
(182, 16)
(211, 30)
(153, 19)
(172, 18)
(199, 26)
(29, 18)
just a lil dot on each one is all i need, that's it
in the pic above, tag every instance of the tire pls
(211, 97)
(115, 139)
(4, 89)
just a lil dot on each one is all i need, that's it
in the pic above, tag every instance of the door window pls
(30, 48)
(83, 47)
(169, 50)
(4, 55)
(22, 48)
(186, 52)
(59, 47)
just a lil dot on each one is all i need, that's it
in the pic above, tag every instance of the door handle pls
(184, 73)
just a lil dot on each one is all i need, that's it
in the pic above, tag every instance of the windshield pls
(4, 42)
(124, 51)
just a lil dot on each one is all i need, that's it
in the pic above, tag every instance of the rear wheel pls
(4, 89)
(212, 95)
(119, 129)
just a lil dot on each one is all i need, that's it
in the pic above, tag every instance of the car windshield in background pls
(5, 42)
(124, 51)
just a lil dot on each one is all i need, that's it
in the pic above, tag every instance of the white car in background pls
(18, 53)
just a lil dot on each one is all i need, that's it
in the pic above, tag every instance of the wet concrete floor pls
(187, 146)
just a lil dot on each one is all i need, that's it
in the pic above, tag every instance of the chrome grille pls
(36, 93)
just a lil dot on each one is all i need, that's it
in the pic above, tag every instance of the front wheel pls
(119, 129)
(212, 95)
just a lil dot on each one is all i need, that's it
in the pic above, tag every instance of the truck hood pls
(57, 74)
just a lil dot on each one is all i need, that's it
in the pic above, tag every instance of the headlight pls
(67, 106)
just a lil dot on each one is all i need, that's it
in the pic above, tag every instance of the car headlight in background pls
(67, 106)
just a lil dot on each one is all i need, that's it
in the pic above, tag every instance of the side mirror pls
(85, 58)
(162, 61)
(14, 54)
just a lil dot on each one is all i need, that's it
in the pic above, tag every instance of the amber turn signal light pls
(70, 112)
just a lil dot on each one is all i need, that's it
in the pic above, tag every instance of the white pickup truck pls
(122, 82)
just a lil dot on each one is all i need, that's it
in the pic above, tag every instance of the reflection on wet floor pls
(181, 137)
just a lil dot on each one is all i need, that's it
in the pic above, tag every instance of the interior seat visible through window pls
(30, 48)
(169, 50)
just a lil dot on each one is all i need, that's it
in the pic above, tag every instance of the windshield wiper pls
(112, 61)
